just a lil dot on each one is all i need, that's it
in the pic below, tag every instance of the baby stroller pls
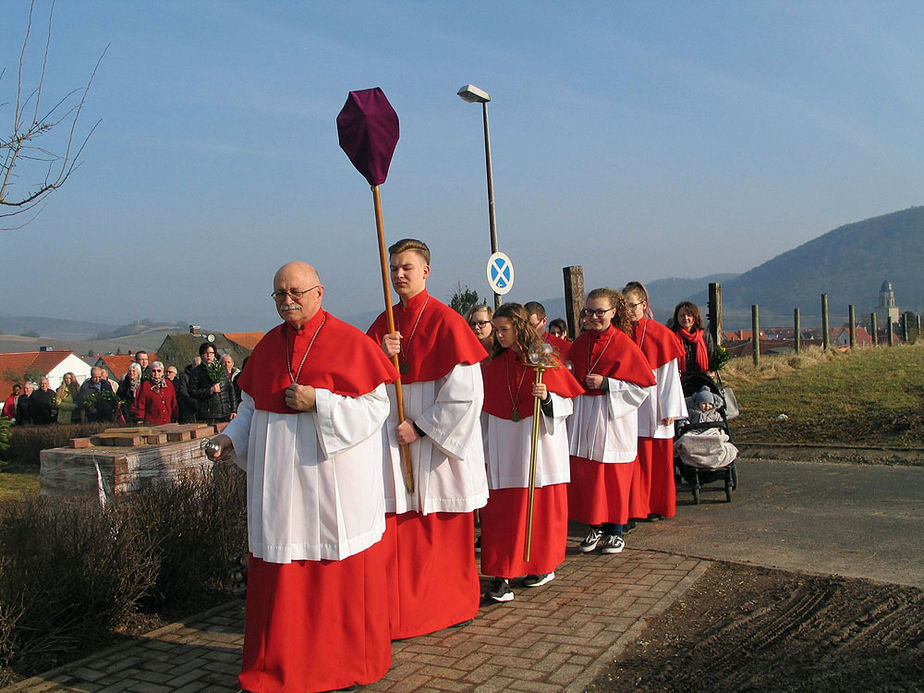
(703, 452)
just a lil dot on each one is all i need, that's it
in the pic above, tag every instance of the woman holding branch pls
(510, 394)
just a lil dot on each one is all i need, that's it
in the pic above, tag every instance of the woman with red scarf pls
(653, 494)
(155, 403)
(510, 392)
(604, 427)
(687, 323)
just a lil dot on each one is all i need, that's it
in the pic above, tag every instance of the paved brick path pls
(552, 638)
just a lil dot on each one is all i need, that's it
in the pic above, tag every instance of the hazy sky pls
(642, 140)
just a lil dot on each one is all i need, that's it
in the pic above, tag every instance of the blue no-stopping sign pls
(500, 273)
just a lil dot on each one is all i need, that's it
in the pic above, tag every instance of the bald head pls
(298, 292)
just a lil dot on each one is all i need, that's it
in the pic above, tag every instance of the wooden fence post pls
(825, 338)
(755, 335)
(890, 334)
(852, 327)
(797, 331)
(874, 329)
(714, 310)
(574, 297)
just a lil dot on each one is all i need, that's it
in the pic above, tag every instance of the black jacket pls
(210, 406)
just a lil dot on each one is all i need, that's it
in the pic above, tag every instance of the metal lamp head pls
(473, 94)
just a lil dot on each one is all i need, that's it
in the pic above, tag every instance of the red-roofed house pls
(248, 340)
(35, 365)
(840, 336)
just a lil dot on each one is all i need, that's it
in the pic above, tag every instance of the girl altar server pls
(604, 428)
(653, 492)
(510, 393)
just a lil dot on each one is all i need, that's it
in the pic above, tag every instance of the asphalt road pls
(815, 517)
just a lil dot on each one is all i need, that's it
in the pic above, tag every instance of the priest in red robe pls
(309, 434)
(431, 535)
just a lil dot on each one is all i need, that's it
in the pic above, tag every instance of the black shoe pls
(613, 543)
(500, 590)
(538, 580)
(594, 536)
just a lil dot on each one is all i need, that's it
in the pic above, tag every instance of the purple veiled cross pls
(368, 131)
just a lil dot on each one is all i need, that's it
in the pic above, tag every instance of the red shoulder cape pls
(507, 368)
(341, 360)
(620, 360)
(441, 341)
(659, 344)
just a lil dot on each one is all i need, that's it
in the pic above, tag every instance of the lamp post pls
(473, 94)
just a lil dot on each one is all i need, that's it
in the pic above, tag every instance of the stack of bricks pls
(148, 435)
(124, 460)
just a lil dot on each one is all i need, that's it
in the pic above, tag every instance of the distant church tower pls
(887, 311)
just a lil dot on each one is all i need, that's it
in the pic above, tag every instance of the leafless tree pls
(44, 147)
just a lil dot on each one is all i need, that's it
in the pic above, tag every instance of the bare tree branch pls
(29, 170)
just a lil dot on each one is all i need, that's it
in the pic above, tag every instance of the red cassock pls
(604, 427)
(429, 536)
(313, 625)
(509, 407)
(653, 488)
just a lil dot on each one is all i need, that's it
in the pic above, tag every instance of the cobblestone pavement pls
(552, 638)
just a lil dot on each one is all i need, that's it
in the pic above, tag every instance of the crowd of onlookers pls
(148, 393)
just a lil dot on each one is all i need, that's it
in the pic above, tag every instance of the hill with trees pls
(849, 264)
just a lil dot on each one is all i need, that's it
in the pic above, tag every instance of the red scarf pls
(341, 360)
(612, 354)
(659, 344)
(434, 339)
(508, 379)
(702, 354)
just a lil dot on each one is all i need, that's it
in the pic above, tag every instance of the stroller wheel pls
(728, 490)
(696, 494)
(734, 477)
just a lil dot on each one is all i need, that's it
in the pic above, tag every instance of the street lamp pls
(473, 94)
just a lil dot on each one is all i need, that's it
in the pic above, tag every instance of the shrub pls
(200, 531)
(26, 442)
(5, 433)
(72, 572)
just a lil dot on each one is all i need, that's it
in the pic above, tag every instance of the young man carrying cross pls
(430, 533)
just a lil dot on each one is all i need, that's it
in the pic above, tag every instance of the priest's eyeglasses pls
(598, 313)
(294, 293)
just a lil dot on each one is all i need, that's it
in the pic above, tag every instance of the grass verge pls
(868, 396)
